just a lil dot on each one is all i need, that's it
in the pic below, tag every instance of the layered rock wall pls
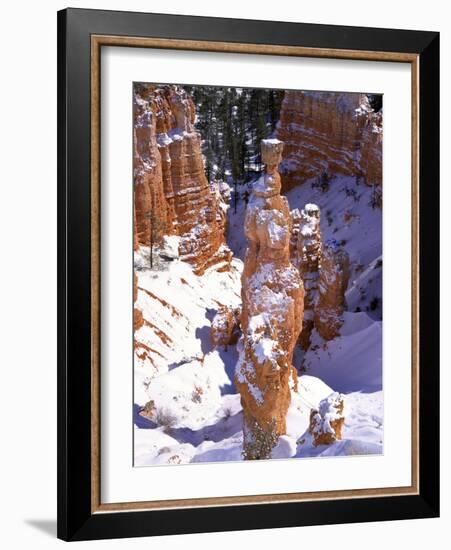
(371, 147)
(329, 133)
(149, 196)
(272, 312)
(172, 194)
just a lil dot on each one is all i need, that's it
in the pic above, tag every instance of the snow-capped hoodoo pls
(272, 313)
(333, 282)
(306, 256)
(326, 422)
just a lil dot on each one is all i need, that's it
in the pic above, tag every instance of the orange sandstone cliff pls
(172, 194)
(329, 133)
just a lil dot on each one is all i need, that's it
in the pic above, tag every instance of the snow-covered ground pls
(192, 412)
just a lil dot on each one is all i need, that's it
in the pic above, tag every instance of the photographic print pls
(257, 274)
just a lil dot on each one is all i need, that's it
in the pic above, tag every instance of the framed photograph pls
(248, 274)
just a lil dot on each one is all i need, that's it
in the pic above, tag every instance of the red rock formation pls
(138, 319)
(172, 194)
(324, 270)
(135, 233)
(148, 178)
(225, 326)
(371, 148)
(306, 254)
(326, 423)
(329, 132)
(333, 282)
(271, 320)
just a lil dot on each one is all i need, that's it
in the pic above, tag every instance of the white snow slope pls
(194, 411)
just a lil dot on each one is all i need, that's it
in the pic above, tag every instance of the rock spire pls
(272, 312)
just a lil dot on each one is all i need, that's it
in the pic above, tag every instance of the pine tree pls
(156, 227)
(232, 122)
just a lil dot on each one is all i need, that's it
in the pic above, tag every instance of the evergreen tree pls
(375, 101)
(232, 122)
(156, 227)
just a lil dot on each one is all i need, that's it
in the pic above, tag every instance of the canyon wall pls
(272, 313)
(172, 194)
(329, 133)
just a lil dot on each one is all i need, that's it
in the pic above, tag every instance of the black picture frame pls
(76, 520)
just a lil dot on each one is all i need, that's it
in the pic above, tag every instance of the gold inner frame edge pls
(97, 41)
